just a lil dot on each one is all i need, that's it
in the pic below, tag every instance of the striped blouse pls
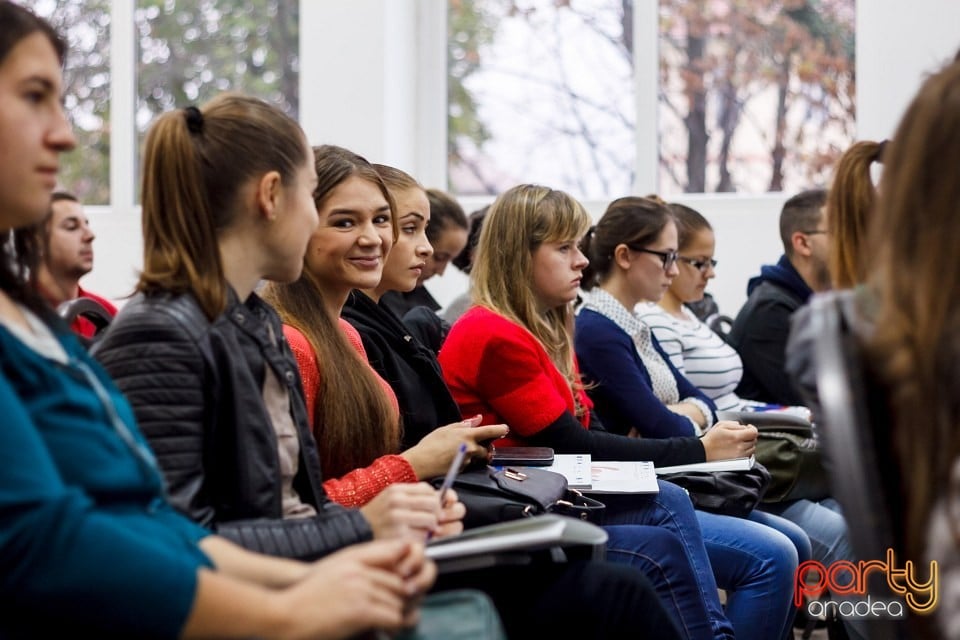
(697, 352)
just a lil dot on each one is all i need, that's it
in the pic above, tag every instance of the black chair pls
(86, 308)
(852, 420)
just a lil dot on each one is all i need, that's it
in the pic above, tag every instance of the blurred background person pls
(66, 241)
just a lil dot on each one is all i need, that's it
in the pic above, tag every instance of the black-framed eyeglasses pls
(668, 258)
(699, 265)
(813, 232)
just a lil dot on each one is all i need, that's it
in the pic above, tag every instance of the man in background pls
(66, 240)
(760, 330)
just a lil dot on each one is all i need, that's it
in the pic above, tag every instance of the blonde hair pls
(518, 222)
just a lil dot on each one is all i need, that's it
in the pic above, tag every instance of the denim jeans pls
(756, 565)
(753, 562)
(681, 574)
(827, 530)
(660, 556)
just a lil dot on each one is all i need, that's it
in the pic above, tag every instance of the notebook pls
(584, 474)
(731, 464)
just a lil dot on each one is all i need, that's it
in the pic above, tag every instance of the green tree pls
(469, 28)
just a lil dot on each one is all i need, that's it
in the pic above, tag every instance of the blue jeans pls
(659, 554)
(681, 574)
(756, 565)
(827, 530)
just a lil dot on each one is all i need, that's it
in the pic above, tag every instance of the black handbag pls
(494, 495)
(732, 493)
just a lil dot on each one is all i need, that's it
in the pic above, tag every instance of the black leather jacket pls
(196, 389)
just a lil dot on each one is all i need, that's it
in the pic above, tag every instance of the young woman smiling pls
(358, 439)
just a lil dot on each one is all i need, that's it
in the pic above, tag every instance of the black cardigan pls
(407, 365)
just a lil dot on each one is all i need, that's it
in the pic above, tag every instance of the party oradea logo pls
(848, 581)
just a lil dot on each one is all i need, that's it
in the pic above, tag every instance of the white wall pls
(373, 80)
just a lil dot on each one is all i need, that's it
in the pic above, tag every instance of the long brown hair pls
(354, 422)
(915, 274)
(849, 204)
(518, 222)
(194, 163)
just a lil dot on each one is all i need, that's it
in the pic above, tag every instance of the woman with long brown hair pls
(913, 284)
(354, 413)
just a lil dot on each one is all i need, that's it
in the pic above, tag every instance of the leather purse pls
(494, 495)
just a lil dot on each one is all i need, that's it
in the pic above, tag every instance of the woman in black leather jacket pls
(202, 358)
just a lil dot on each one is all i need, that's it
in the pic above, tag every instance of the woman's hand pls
(404, 510)
(431, 457)
(451, 516)
(691, 411)
(728, 439)
(377, 585)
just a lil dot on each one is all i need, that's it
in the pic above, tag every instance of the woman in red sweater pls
(510, 358)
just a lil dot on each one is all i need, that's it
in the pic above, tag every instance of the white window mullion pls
(646, 60)
(123, 91)
(431, 97)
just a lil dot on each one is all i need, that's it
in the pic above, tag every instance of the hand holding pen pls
(448, 498)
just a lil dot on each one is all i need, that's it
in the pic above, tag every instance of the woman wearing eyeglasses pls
(714, 367)
(636, 391)
(697, 352)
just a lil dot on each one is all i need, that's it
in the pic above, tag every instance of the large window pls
(186, 52)
(753, 95)
(190, 51)
(541, 91)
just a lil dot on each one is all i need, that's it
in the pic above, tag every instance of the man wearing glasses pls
(760, 330)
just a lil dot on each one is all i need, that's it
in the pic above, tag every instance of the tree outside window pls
(188, 52)
(86, 26)
(754, 95)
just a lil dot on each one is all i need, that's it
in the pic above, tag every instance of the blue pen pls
(452, 472)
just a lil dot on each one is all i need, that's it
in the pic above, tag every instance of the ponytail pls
(195, 163)
(179, 234)
(589, 275)
(850, 202)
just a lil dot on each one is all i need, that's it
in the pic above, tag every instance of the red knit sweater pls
(360, 486)
(498, 369)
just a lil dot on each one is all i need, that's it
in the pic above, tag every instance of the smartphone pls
(522, 456)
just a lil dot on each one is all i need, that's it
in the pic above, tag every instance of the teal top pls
(87, 540)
